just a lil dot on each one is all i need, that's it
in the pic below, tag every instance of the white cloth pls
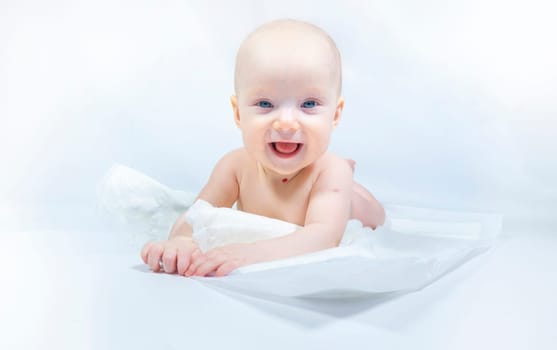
(216, 227)
(412, 249)
(141, 201)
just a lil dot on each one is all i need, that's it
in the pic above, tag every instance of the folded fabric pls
(412, 249)
(216, 227)
(142, 202)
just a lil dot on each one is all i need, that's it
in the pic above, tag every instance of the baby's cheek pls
(253, 143)
(322, 142)
(248, 138)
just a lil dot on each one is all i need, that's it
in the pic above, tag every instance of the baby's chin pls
(284, 166)
(282, 170)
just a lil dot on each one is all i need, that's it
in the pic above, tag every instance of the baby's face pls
(287, 103)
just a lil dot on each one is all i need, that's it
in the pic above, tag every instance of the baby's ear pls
(234, 102)
(338, 111)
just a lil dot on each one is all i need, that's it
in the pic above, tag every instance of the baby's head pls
(287, 41)
(287, 94)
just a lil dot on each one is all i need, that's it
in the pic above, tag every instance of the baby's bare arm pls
(221, 191)
(326, 217)
(366, 208)
(222, 188)
(327, 213)
(176, 252)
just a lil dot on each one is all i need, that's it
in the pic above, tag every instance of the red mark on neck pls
(284, 180)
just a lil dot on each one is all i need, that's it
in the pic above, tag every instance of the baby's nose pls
(286, 122)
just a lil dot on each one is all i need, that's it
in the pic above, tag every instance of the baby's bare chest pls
(283, 201)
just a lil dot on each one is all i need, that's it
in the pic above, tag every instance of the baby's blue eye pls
(264, 104)
(309, 104)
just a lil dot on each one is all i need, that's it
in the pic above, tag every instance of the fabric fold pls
(414, 247)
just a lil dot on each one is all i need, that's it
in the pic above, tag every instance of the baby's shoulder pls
(332, 166)
(235, 159)
(237, 155)
(331, 161)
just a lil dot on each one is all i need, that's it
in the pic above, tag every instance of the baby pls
(287, 102)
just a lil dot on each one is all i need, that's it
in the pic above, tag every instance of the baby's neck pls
(276, 178)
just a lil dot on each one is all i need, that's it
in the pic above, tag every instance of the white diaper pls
(412, 249)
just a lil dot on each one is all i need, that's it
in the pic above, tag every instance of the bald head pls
(287, 41)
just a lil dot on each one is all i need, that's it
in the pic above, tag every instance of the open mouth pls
(286, 149)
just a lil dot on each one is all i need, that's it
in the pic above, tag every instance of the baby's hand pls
(171, 256)
(221, 261)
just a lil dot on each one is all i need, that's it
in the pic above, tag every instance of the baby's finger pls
(154, 257)
(182, 264)
(169, 260)
(145, 251)
(225, 268)
(196, 254)
(197, 259)
(182, 261)
(209, 265)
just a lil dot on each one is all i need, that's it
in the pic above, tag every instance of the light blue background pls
(449, 104)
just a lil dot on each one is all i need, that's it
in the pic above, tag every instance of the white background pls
(449, 104)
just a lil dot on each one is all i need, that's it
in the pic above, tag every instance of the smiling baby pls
(287, 102)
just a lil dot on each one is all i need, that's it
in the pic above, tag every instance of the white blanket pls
(412, 249)
(216, 227)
